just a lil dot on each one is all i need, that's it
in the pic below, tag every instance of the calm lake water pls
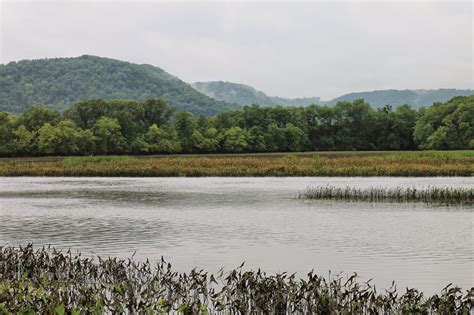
(220, 222)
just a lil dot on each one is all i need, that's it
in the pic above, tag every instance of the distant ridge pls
(60, 82)
(243, 94)
(415, 98)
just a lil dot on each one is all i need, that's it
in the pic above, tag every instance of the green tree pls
(6, 134)
(160, 141)
(355, 122)
(295, 138)
(322, 127)
(185, 125)
(86, 142)
(235, 140)
(446, 125)
(24, 141)
(36, 116)
(404, 126)
(130, 116)
(280, 115)
(157, 112)
(275, 137)
(62, 139)
(226, 120)
(203, 122)
(255, 116)
(108, 136)
(256, 139)
(207, 141)
(86, 113)
(48, 139)
(395, 128)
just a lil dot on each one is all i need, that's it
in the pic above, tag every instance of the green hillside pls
(244, 94)
(60, 82)
(233, 93)
(414, 98)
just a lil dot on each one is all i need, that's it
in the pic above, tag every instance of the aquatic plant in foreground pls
(442, 195)
(49, 281)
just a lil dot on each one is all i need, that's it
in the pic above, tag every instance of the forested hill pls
(61, 82)
(244, 94)
(414, 98)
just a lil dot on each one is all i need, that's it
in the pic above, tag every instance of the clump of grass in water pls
(52, 282)
(442, 195)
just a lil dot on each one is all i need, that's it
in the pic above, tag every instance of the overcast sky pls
(287, 49)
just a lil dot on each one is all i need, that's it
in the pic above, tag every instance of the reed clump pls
(441, 195)
(47, 281)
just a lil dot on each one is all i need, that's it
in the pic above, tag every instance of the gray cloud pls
(287, 49)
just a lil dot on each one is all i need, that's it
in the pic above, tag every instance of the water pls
(220, 222)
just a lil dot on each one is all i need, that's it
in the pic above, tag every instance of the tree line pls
(153, 127)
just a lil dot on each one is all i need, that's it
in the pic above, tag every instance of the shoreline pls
(305, 164)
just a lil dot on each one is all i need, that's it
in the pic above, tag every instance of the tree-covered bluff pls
(61, 82)
(244, 95)
(152, 126)
(414, 98)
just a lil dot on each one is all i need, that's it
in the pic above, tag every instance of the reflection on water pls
(216, 222)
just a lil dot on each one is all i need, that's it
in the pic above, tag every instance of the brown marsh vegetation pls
(428, 163)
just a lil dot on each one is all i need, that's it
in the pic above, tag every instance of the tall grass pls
(81, 160)
(443, 195)
(46, 281)
(254, 165)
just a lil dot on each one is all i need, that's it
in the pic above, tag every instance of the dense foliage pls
(60, 82)
(132, 127)
(47, 281)
(446, 125)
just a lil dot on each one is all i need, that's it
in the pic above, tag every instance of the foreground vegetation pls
(51, 282)
(441, 195)
(99, 127)
(442, 163)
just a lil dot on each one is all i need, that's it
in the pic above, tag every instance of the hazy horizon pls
(282, 49)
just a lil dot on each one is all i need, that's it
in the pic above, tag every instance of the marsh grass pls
(330, 164)
(81, 160)
(47, 281)
(440, 195)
